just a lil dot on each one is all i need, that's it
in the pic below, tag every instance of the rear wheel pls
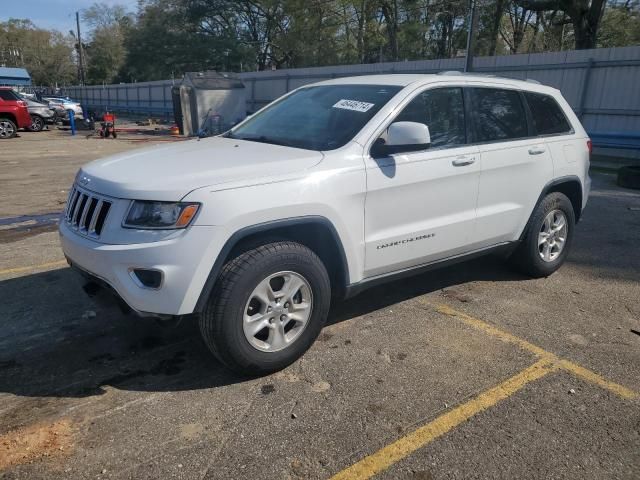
(548, 238)
(37, 123)
(267, 308)
(7, 128)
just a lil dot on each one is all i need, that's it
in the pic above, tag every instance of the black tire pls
(527, 257)
(221, 322)
(37, 123)
(629, 177)
(8, 128)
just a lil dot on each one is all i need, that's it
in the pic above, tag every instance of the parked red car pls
(14, 113)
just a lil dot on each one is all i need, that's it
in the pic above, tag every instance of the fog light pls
(147, 278)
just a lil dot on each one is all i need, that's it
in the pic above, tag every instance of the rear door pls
(551, 124)
(515, 163)
(420, 206)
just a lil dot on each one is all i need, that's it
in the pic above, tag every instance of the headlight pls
(160, 215)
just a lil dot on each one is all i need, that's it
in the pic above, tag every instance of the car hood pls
(169, 172)
(40, 109)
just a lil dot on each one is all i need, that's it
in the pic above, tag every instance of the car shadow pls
(57, 343)
(489, 268)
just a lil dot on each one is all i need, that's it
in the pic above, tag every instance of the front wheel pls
(548, 239)
(37, 123)
(267, 308)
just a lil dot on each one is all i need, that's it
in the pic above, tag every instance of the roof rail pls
(489, 75)
(457, 72)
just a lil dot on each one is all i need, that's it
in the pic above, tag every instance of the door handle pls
(463, 161)
(537, 150)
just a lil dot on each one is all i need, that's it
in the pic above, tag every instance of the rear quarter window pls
(548, 117)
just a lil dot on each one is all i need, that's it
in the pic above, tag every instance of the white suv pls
(332, 188)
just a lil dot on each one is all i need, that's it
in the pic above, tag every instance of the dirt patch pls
(456, 295)
(14, 235)
(24, 445)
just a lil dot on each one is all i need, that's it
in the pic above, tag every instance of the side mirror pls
(403, 137)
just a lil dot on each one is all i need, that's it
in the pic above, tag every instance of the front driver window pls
(442, 110)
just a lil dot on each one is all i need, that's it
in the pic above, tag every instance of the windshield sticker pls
(354, 105)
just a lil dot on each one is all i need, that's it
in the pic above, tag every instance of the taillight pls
(589, 146)
(21, 103)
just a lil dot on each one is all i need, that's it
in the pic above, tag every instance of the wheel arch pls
(571, 186)
(315, 232)
(9, 116)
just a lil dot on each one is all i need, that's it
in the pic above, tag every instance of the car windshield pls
(316, 118)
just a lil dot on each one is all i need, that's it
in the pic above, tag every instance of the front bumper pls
(184, 260)
(586, 190)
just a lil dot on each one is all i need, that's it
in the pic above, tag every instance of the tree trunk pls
(495, 26)
(362, 25)
(390, 13)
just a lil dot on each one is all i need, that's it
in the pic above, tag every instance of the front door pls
(421, 206)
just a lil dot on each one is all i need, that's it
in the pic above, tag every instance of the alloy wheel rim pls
(277, 311)
(6, 129)
(552, 236)
(36, 123)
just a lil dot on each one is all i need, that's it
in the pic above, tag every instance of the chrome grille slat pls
(87, 212)
(70, 198)
(76, 213)
(94, 217)
(83, 216)
(72, 204)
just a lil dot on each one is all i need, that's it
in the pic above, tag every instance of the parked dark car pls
(14, 113)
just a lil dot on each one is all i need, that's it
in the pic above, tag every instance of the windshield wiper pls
(265, 139)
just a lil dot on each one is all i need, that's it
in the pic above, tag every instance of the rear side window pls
(548, 117)
(8, 95)
(497, 114)
(442, 110)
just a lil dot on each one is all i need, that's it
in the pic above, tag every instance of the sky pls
(53, 14)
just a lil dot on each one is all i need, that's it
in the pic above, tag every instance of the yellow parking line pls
(562, 363)
(396, 451)
(491, 330)
(599, 380)
(30, 268)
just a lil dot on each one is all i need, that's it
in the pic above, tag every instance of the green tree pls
(620, 25)
(46, 54)
(105, 51)
(585, 16)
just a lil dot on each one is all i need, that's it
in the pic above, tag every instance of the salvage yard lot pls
(472, 371)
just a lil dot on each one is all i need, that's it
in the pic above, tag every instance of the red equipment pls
(108, 126)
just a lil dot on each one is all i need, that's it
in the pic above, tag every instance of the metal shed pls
(14, 76)
(209, 102)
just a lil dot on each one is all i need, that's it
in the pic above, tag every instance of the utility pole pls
(80, 56)
(468, 59)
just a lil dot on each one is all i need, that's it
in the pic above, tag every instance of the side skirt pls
(354, 289)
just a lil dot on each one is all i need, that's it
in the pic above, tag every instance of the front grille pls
(86, 212)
